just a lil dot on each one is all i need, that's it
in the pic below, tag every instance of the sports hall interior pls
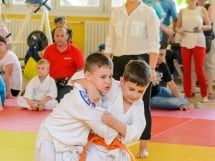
(176, 135)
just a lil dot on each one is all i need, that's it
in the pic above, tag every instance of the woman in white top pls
(190, 26)
(12, 67)
(134, 34)
(210, 59)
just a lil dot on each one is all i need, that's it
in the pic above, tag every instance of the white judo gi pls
(37, 90)
(65, 131)
(133, 118)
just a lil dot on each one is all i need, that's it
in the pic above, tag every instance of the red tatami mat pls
(202, 113)
(160, 124)
(181, 131)
(16, 119)
(11, 102)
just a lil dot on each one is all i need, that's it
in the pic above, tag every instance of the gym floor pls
(176, 135)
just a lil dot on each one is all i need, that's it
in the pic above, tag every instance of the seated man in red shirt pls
(65, 59)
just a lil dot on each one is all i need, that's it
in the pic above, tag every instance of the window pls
(79, 7)
(86, 3)
(116, 3)
(74, 7)
(30, 1)
(89, 3)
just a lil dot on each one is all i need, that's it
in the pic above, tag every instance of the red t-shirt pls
(64, 64)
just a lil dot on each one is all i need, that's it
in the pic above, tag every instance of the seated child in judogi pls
(124, 102)
(41, 91)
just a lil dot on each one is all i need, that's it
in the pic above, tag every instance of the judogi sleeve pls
(52, 88)
(82, 109)
(136, 123)
(29, 91)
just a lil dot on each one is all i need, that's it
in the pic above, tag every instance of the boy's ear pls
(122, 81)
(88, 76)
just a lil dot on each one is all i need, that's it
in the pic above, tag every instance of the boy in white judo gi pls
(65, 131)
(124, 101)
(41, 91)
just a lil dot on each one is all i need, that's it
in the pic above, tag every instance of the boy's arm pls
(109, 120)
(29, 94)
(52, 89)
(173, 88)
(78, 106)
(128, 131)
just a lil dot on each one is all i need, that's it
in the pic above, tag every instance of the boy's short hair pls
(43, 61)
(97, 60)
(59, 19)
(137, 71)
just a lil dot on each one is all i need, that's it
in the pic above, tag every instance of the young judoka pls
(124, 101)
(64, 132)
(41, 91)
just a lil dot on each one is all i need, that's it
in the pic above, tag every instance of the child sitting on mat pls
(41, 91)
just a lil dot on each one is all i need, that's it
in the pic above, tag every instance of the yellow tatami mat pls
(20, 146)
(175, 152)
(17, 146)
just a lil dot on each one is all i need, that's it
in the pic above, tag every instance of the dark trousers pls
(119, 65)
(14, 92)
(62, 90)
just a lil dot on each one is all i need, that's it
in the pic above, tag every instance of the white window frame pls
(103, 11)
(82, 11)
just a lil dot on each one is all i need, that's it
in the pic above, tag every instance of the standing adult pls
(190, 26)
(65, 59)
(134, 34)
(210, 59)
(169, 8)
(12, 68)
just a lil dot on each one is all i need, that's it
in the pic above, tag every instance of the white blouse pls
(192, 18)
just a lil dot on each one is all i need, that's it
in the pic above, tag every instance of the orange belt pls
(100, 141)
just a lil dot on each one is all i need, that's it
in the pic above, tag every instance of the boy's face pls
(101, 78)
(42, 70)
(161, 56)
(131, 91)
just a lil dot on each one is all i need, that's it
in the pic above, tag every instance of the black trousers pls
(119, 65)
(14, 92)
(62, 90)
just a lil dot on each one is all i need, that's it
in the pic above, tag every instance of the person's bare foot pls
(1, 107)
(142, 154)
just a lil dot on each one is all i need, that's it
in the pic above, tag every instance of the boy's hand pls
(41, 104)
(108, 119)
